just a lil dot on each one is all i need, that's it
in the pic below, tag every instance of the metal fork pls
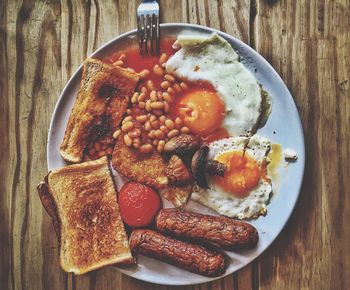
(148, 27)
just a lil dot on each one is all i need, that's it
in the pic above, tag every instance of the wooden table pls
(307, 41)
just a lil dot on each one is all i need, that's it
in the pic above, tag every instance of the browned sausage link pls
(187, 256)
(224, 232)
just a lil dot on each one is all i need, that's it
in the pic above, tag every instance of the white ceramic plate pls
(283, 127)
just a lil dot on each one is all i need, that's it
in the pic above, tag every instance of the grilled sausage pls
(224, 232)
(187, 256)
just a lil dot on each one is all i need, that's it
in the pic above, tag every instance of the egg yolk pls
(242, 173)
(201, 110)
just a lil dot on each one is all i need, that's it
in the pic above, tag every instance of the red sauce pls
(138, 204)
(139, 63)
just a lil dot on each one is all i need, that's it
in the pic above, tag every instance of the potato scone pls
(100, 105)
(144, 168)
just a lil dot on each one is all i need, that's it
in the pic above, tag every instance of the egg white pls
(225, 203)
(213, 59)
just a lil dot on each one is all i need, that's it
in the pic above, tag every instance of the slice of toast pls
(82, 201)
(99, 108)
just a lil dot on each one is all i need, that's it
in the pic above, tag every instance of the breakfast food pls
(245, 189)
(138, 204)
(224, 232)
(82, 201)
(101, 103)
(230, 96)
(148, 169)
(187, 256)
(179, 126)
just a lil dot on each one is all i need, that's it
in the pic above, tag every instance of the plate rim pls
(301, 155)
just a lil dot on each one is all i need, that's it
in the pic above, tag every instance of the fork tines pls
(148, 27)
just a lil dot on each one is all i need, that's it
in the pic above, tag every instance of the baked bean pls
(178, 123)
(153, 96)
(101, 153)
(168, 98)
(173, 133)
(152, 134)
(122, 57)
(159, 71)
(103, 146)
(165, 84)
(119, 63)
(166, 107)
(159, 134)
(184, 86)
(152, 118)
(141, 118)
(148, 105)
(136, 132)
(109, 150)
(150, 85)
(177, 88)
(160, 146)
(164, 129)
(134, 97)
(97, 146)
(169, 78)
(128, 111)
(162, 119)
(155, 142)
(170, 91)
(136, 143)
(158, 112)
(144, 90)
(155, 124)
(157, 105)
(146, 148)
(144, 74)
(127, 126)
(163, 58)
(127, 140)
(92, 151)
(126, 119)
(142, 105)
(148, 126)
(185, 130)
(170, 124)
(117, 133)
(141, 97)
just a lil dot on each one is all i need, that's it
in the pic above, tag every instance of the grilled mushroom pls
(200, 166)
(184, 145)
(177, 171)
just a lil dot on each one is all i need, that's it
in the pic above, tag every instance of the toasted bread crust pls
(92, 233)
(103, 97)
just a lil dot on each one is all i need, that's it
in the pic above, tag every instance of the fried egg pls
(233, 95)
(245, 189)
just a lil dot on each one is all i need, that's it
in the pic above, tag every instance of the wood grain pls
(307, 41)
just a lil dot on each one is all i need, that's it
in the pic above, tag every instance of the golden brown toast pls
(82, 201)
(99, 108)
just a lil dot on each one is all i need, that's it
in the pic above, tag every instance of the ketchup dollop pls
(138, 204)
